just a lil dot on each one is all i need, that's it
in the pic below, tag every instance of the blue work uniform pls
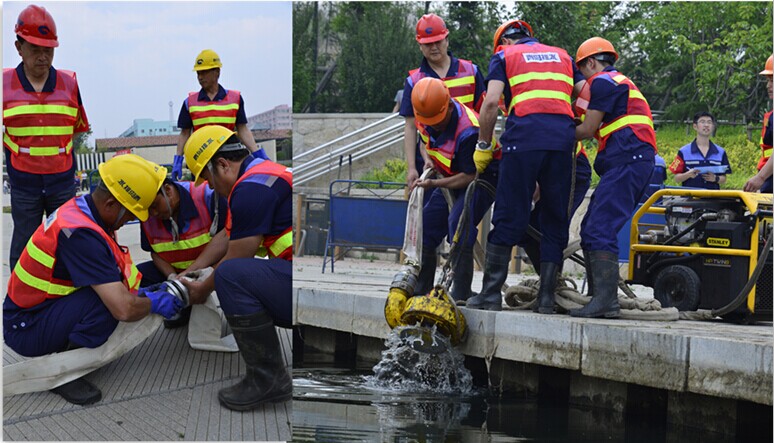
(437, 221)
(185, 213)
(249, 285)
(767, 186)
(537, 148)
(79, 318)
(407, 109)
(33, 195)
(690, 157)
(184, 119)
(624, 167)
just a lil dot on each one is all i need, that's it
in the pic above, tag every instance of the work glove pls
(162, 302)
(177, 167)
(260, 153)
(482, 158)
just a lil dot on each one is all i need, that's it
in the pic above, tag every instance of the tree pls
(80, 142)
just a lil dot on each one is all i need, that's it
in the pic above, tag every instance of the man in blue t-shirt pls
(691, 161)
(537, 149)
(619, 117)
(254, 293)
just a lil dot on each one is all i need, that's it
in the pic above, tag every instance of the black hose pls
(750, 283)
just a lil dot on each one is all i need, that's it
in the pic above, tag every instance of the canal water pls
(357, 401)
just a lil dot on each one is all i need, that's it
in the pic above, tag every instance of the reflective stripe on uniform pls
(36, 150)
(182, 264)
(39, 130)
(529, 76)
(182, 244)
(202, 108)
(462, 81)
(282, 243)
(40, 109)
(539, 93)
(207, 120)
(39, 256)
(42, 285)
(440, 158)
(625, 121)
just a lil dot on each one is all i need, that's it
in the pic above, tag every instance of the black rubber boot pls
(463, 275)
(267, 379)
(532, 248)
(426, 272)
(604, 303)
(79, 392)
(589, 274)
(545, 299)
(185, 316)
(495, 272)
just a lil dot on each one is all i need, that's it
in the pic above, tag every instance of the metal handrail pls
(343, 137)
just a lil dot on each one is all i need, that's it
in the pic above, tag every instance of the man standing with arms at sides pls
(462, 77)
(212, 105)
(700, 152)
(537, 147)
(254, 293)
(762, 180)
(619, 117)
(42, 112)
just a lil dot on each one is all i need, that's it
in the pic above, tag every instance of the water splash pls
(403, 369)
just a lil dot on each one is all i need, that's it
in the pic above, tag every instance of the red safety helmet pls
(430, 29)
(36, 26)
(521, 25)
(769, 68)
(430, 100)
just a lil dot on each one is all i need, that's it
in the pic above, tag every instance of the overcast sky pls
(133, 58)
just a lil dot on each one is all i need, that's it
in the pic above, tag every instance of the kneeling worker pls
(184, 233)
(60, 298)
(451, 131)
(254, 293)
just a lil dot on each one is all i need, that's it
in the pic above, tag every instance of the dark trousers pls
(519, 171)
(612, 204)
(80, 318)
(767, 187)
(150, 274)
(27, 209)
(249, 285)
(438, 222)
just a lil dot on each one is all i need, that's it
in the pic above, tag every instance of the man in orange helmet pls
(762, 180)
(620, 119)
(451, 129)
(537, 83)
(462, 77)
(42, 112)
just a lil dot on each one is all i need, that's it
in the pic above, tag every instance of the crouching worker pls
(254, 293)
(184, 233)
(61, 297)
(451, 131)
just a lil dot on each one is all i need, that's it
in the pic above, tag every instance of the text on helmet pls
(202, 148)
(128, 190)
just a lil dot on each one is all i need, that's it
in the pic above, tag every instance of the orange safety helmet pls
(593, 46)
(36, 26)
(430, 99)
(519, 24)
(769, 66)
(430, 29)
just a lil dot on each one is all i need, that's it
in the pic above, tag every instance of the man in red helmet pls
(42, 112)
(462, 77)
(762, 180)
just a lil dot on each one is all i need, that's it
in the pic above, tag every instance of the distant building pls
(278, 118)
(146, 127)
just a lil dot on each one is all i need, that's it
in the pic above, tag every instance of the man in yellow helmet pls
(60, 298)
(212, 105)
(254, 293)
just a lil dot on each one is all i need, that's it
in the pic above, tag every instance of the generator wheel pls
(677, 286)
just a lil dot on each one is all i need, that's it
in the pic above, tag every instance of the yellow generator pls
(706, 249)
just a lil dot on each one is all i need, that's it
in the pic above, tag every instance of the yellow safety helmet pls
(202, 145)
(133, 181)
(207, 59)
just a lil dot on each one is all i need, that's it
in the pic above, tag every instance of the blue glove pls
(162, 302)
(177, 167)
(260, 153)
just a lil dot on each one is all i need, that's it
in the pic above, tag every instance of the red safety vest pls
(637, 117)
(540, 79)
(580, 151)
(191, 243)
(461, 86)
(32, 280)
(765, 149)
(258, 171)
(222, 112)
(39, 126)
(442, 155)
